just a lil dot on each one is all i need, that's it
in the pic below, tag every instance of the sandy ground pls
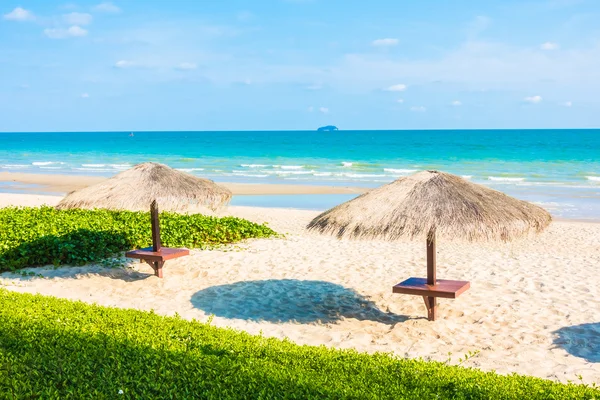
(51, 183)
(533, 307)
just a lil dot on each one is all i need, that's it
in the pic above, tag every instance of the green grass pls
(41, 236)
(58, 349)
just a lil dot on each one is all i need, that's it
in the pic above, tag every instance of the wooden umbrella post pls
(156, 245)
(431, 302)
(431, 260)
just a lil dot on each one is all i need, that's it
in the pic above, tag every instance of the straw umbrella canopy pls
(429, 204)
(137, 187)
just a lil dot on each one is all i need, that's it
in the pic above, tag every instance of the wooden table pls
(442, 288)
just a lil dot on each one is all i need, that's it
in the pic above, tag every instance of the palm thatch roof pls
(429, 202)
(135, 189)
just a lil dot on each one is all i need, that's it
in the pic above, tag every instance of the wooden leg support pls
(157, 267)
(431, 304)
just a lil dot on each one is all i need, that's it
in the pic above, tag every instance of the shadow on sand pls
(289, 300)
(69, 251)
(580, 340)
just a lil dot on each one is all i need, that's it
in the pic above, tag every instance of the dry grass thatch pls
(135, 189)
(431, 201)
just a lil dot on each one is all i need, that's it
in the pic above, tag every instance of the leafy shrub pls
(58, 349)
(44, 235)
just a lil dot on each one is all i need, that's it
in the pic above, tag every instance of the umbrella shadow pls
(289, 300)
(580, 340)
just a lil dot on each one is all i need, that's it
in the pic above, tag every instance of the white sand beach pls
(533, 307)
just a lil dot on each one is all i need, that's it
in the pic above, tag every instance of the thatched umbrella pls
(137, 187)
(429, 204)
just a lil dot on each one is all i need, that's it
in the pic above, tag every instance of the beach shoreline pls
(62, 184)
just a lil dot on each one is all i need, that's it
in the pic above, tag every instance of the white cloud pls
(124, 64)
(58, 33)
(385, 42)
(456, 103)
(418, 109)
(400, 101)
(397, 88)
(533, 99)
(324, 110)
(549, 46)
(85, 95)
(19, 14)
(187, 66)
(568, 104)
(310, 109)
(107, 7)
(76, 18)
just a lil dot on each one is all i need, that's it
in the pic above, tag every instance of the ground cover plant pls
(59, 349)
(43, 235)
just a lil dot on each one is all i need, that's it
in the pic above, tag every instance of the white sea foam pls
(361, 175)
(120, 166)
(15, 166)
(466, 176)
(399, 171)
(40, 163)
(250, 175)
(504, 179)
(253, 165)
(593, 178)
(322, 174)
(291, 167)
(346, 164)
(190, 169)
(93, 165)
(50, 167)
(283, 173)
(91, 169)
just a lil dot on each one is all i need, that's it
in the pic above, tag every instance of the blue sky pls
(298, 64)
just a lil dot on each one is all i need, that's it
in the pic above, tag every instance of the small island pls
(328, 128)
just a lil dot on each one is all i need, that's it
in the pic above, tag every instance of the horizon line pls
(310, 130)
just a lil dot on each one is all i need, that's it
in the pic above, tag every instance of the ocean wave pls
(466, 176)
(346, 164)
(361, 175)
(504, 179)
(323, 174)
(399, 171)
(93, 165)
(15, 166)
(253, 165)
(51, 167)
(90, 169)
(593, 178)
(120, 166)
(250, 175)
(189, 169)
(551, 204)
(41, 163)
(293, 167)
(284, 173)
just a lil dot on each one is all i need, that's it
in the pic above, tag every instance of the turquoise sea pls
(558, 169)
